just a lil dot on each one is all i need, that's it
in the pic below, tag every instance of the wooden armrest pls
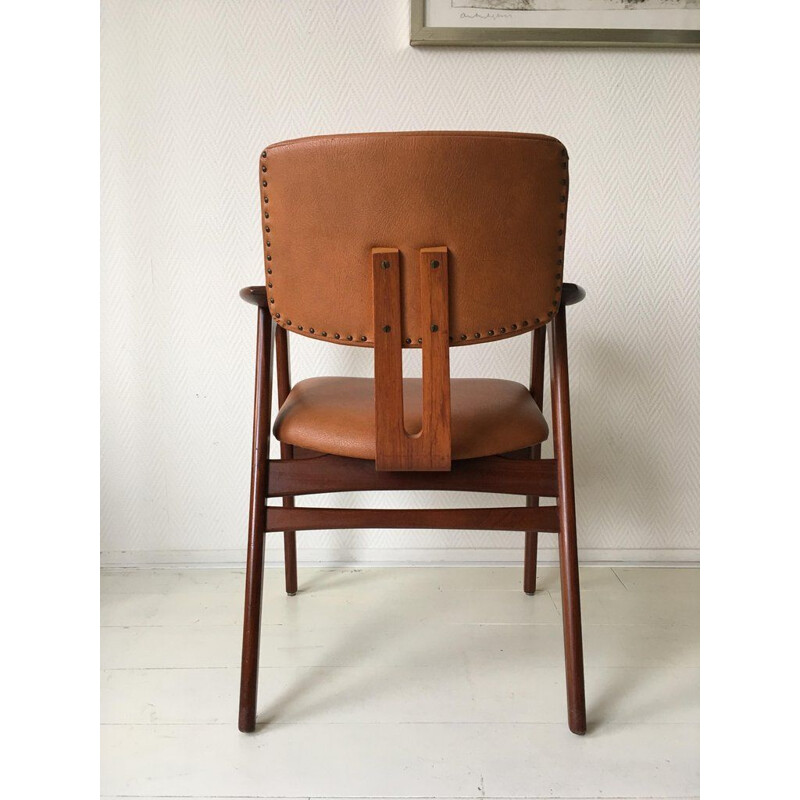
(571, 293)
(257, 295)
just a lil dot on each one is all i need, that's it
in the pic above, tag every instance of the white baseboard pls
(377, 557)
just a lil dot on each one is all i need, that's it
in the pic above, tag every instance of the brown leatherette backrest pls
(497, 201)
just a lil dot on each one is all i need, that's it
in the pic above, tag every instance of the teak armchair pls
(431, 240)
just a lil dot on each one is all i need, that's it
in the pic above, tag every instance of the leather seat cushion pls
(337, 416)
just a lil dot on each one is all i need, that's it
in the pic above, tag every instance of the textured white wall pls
(191, 92)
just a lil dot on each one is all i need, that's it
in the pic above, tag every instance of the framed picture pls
(556, 23)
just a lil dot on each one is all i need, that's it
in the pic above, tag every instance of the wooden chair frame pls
(522, 473)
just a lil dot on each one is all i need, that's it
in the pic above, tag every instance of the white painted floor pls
(400, 682)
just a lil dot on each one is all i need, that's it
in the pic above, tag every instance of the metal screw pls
(363, 338)
(384, 264)
(434, 328)
(435, 264)
(387, 328)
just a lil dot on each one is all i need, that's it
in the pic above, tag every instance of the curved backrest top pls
(497, 201)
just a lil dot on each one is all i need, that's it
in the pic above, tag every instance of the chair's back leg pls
(567, 539)
(259, 478)
(537, 392)
(287, 451)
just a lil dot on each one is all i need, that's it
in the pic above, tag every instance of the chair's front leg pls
(259, 478)
(289, 537)
(537, 392)
(283, 373)
(567, 538)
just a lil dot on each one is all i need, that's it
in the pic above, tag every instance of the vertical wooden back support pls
(430, 448)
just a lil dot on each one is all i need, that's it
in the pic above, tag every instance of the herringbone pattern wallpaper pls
(192, 90)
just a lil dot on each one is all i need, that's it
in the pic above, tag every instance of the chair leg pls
(531, 548)
(538, 342)
(282, 369)
(259, 477)
(290, 559)
(248, 690)
(289, 539)
(531, 542)
(567, 537)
